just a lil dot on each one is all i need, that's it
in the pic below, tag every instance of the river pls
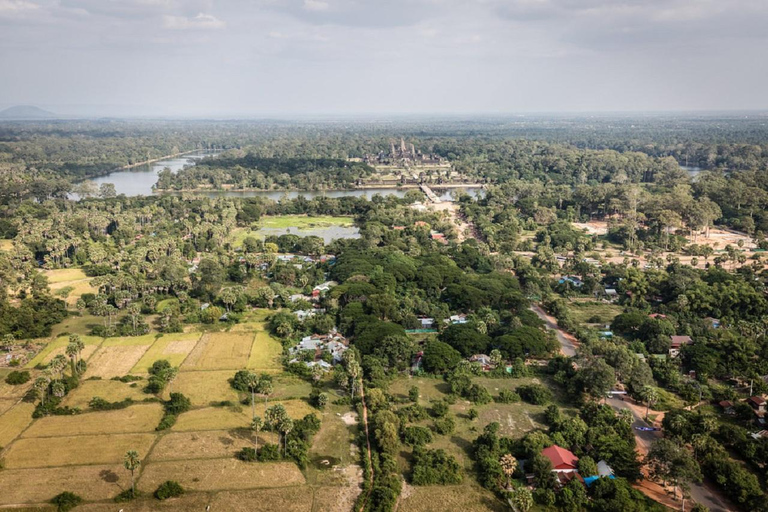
(139, 181)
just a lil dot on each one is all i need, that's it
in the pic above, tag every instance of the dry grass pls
(110, 390)
(339, 499)
(58, 345)
(195, 502)
(220, 351)
(131, 341)
(212, 444)
(78, 288)
(213, 418)
(64, 275)
(137, 418)
(40, 485)
(6, 245)
(6, 404)
(220, 474)
(203, 388)
(14, 421)
(11, 392)
(77, 450)
(467, 498)
(173, 347)
(266, 352)
(76, 324)
(114, 361)
(287, 499)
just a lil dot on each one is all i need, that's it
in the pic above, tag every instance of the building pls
(403, 154)
(563, 461)
(483, 360)
(458, 319)
(677, 344)
(727, 407)
(333, 344)
(573, 280)
(757, 403)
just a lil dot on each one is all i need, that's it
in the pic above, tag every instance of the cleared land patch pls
(220, 351)
(211, 444)
(287, 499)
(58, 346)
(266, 352)
(213, 418)
(10, 392)
(110, 390)
(137, 418)
(6, 245)
(469, 498)
(594, 312)
(173, 347)
(114, 360)
(204, 387)
(66, 451)
(220, 474)
(14, 421)
(90, 482)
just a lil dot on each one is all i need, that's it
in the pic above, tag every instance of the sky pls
(242, 58)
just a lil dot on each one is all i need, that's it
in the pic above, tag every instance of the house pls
(427, 323)
(604, 470)
(657, 316)
(757, 403)
(299, 296)
(420, 224)
(332, 343)
(677, 344)
(612, 293)
(727, 407)
(483, 360)
(458, 319)
(303, 314)
(763, 434)
(712, 323)
(563, 461)
(605, 334)
(573, 280)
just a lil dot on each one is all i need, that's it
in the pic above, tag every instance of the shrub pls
(16, 378)
(444, 426)
(269, 452)
(478, 394)
(247, 454)
(177, 404)
(66, 501)
(166, 422)
(169, 489)
(535, 394)
(507, 396)
(126, 495)
(435, 467)
(439, 409)
(417, 436)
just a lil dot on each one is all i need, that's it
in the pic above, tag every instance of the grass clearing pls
(287, 499)
(77, 450)
(14, 421)
(220, 351)
(265, 352)
(64, 275)
(594, 312)
(467, 497)
(173, 347)
(220, 474)
(76, 324)
(213, 418)
(305, 222)
(11, 392)
(58, 345)
(205, 387)
(90, 482)
(114, 360)
(110, 390)
(136, 418)
(6, 245)
(211, 444)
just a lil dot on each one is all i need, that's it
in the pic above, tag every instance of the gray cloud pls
(198, 57)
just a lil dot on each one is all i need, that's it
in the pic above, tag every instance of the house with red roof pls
(563, 461)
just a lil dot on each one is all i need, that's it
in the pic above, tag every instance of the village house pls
(727, 407)
(483, 360)
(573, 280)
(303, 314)
(333, 344)
(757, 403)
(563, 461)
(457, 319)
(677, 344)
(323, 288)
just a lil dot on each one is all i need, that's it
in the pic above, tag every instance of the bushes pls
(444, 426)
(247, 454)
(535, 394)
(417, 436)
(166, 422)
(435, 467)
(507, 396)
(66, 501)
(177, 404)
(169, 489)
(269, 452)
(16, 378)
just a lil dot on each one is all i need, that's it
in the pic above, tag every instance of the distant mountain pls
(26, 112)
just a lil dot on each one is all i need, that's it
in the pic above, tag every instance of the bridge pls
(429, 193)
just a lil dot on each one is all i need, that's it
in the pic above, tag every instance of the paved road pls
(701, 493)
(566, 345)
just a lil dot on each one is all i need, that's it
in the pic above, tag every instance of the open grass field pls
(10, 392)
(80, 324)
(194, 502)
(114, 361)
(72, 278)
(76, 450)
(220, 474)
(6, 245)
(288, 387)
(90, 482)
(64, 275)
(58, 345)
(110, 390)
(204, 387)
(297, 223)
(14, 421)
(213, 418)
(266, 352)
(466, 497)
(136, 418)
(594, 312)
(210, 444)
(6, 404)
(286, 499)
(172, 347)
(220, 351)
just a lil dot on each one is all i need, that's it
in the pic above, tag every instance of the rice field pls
(58, 345)
(14, 421)
(205, 387)
(136, 418)
(110, 390)
(99, 482)
(220, 351)
(212, 444)
(266, 352)
(287, 499)
(76, 450)
(172, 347)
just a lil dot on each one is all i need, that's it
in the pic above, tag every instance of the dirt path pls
(368, 447)
(568, 342)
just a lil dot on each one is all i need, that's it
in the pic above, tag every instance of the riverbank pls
(371, 186)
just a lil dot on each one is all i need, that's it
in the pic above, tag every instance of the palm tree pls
(71, 351)
(508, 466)
(285, 426)
(41, 386)
(253, 383)
(265, 387)
(132, 463)
(58, 389)
(651, 396)
(58, 364)
(256, 425)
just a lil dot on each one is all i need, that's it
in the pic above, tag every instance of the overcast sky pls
(260, 57)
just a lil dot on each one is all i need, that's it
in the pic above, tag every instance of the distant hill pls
(25, 112)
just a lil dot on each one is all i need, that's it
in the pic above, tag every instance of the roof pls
(678, 341)
(560, 456)
(603, 469)
(725, 404)
(757, 400)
